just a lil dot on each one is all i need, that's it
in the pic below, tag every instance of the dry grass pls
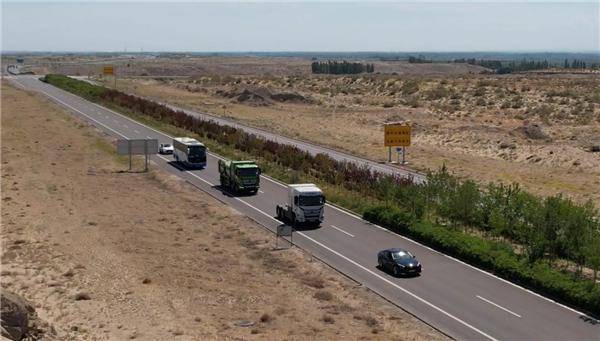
(458, 121)
(191, 273)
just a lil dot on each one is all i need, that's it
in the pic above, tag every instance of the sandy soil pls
(533, 129)
(182, 65)
(109, 255)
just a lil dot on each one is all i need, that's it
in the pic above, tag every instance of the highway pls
(463, 302)
(304, 145)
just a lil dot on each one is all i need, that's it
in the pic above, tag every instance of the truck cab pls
(305, 204)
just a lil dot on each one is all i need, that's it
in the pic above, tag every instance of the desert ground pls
(542, 131)
(182, 65)
(106, 254)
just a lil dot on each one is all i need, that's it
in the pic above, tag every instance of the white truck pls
(305, 204)
(190, 152)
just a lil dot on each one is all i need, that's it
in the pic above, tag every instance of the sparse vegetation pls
(328, 319)
(423, 210)
(186, 238)
(323, 295)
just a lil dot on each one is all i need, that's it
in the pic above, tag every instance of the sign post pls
(110, 70)
(144, 147)
(397, 135)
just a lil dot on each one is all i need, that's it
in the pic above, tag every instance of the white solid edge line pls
(77, 110)
(14, 80)
(360, 218)
(498, 306)
(339, 229)
(399, 287)
(422, 300)
(463, 263)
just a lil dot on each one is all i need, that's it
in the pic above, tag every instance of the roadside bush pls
(84, 89)
(410, 87)
(546, 228)
(437, 92)
(491, 255)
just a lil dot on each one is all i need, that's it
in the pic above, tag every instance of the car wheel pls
(396, 271)
(379, 263)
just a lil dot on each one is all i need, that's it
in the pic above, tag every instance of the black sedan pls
(398, 262)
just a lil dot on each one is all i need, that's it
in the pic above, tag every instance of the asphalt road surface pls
(464, 302)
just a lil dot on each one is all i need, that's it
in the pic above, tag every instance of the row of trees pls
(419, 60)
(579, 64)
(526, 65)
(343, 67)
(507, 67)
(545, 228)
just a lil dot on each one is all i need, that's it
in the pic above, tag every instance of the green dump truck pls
(239, 176)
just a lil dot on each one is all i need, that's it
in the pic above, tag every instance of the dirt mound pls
(290, 97)
(533, 131)
(261, 96)
(254, 97)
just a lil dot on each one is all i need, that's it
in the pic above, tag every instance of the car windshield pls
(247, 171)
(311, 200)
(196, 150)
(401, 255)
(166, 145)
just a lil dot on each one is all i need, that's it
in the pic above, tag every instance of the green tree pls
(592, 250)
(464, 205)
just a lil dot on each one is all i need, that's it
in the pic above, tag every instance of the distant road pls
(312, 148)
(307, 146)
(464, 302)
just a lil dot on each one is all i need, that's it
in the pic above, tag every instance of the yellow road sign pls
(397, 135)
(108, 70)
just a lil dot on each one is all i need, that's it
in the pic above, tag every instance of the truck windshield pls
(311, 200)
(247, 171)
(196, 150)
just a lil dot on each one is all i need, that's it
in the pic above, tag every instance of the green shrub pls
(83, 89)
(546, 228)
(494, 256)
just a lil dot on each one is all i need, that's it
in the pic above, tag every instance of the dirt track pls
(109, 255)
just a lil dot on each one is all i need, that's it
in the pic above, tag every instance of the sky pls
(300, 26)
